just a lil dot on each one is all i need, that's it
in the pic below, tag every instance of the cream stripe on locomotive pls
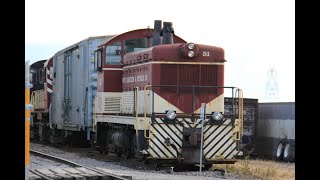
(165, 139)
(219, 141)
(172, 62)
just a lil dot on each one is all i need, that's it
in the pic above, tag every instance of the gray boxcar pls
(74, 86)
(276, 131)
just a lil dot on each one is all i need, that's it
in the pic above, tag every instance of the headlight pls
(217, 116)
(190, 46)
(171, 115)
(190, 53)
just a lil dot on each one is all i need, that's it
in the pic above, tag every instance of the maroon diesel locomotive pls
(149, 104)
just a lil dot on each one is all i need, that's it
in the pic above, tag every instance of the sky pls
(258, 36)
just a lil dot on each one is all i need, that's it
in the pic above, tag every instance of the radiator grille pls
(168, 77)
(185, 74)
(209, 77)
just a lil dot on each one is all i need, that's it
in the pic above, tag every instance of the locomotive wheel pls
(105, 152)
(185, 167)
(207, 166)
(105, 148)
(156, 165)
(135, 149)
(127, 154)
(145, 160)
(118, 154)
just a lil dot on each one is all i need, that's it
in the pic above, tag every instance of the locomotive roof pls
(38, 62)
(143, 32)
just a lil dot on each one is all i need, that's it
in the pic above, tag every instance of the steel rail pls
(38, 153)
(40, 174)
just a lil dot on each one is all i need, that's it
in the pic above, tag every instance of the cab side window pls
(41, 76)
(133, 45)
(33, 76)
(113, 53)
(98, 60)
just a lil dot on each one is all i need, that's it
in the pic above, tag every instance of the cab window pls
(41, 76)
(98, 60)
(113, 53)
(33, 76)
(133, 45)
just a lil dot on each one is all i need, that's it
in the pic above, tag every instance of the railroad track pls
(130, 163)
(76, 171)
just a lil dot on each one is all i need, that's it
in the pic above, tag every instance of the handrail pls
(37, 99)
(241, 111)
(145, 112)
(32, 99)
(239, 95)
(137, 112)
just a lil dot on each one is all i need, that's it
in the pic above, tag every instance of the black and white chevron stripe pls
(166, 139)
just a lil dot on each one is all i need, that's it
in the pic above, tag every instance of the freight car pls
(250, 124)
(276, 131)
(140, 94)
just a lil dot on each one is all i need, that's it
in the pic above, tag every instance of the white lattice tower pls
(272, 89)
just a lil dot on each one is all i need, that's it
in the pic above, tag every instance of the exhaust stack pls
(167, 33)
(156, 32)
